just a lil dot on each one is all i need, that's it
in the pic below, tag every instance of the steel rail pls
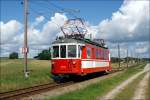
(20, 93)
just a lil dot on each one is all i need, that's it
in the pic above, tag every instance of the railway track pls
(25, 92)
(18, 94)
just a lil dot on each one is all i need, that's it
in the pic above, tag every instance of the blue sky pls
(116, 21)
(92, 11)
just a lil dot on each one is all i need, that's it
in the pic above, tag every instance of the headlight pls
(53, 62)
(73, 62)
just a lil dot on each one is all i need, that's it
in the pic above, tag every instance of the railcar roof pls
(73, 40)
(67, 40)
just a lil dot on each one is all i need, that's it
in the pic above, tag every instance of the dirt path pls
(141, 89)
(119, 88)
(69, 88)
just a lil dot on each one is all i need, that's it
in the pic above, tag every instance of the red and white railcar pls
(75, 55)
(79, 56)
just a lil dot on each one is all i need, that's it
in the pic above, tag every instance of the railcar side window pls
(55, 51)
(102, 53)
(106, 55)
(79, 51)
(88, 53)
(63, 51)
(97, 53)
(71, 51)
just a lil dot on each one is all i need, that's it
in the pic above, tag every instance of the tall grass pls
(99, 89)
(12, 76)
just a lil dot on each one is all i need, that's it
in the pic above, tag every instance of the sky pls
(123, 22)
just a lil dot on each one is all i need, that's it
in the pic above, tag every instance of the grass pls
(99, 89)
(148, 90)
(115, 65)
(12, 76)
(128, 91)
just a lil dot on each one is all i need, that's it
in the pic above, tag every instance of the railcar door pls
(72, 56)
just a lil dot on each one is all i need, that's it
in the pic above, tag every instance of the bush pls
(13, 55)
(44, 55)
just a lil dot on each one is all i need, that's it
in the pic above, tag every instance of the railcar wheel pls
(76, 78)
(60, 78)
(57, 78)
(107, 71)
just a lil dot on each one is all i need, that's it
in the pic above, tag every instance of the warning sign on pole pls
(25, 50)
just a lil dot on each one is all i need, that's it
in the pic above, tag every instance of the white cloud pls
(129, 23)
(6, 49)
(41, 38)
(128, 26)
(141, 50)
(52, 28)
(48, 32)
(142, 47)
(40, 19)
(134, 49)
(9, 30)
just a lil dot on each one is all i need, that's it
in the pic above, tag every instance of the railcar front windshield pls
(72, 51)
(66, 51)
(55, 52)
(63, 51)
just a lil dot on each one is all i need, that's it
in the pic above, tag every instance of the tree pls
(13, 55)
(44, 55)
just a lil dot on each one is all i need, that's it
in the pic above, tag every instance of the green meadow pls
(101, 88)
(12, 76)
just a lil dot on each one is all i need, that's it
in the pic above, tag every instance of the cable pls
(45, 17)
(58, 7)
(37, 4)
(62, 9)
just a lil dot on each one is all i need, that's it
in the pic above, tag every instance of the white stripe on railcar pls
(93, 64)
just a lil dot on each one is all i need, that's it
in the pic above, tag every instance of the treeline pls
(44, 55)
(13, 55)
(116, 59)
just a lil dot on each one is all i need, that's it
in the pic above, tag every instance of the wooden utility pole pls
(127, 57)
(137, 59)
(119, 55)
(25, 49)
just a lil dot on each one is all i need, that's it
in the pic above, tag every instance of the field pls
(101, 88)
(12, 76)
